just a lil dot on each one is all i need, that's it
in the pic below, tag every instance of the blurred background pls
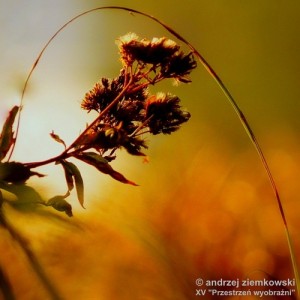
(204, 207)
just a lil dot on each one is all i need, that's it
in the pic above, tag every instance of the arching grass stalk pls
(221, 85)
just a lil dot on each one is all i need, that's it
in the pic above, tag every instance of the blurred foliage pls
(204, 207)
(211, 221)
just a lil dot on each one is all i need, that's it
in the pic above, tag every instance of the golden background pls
(204, 207)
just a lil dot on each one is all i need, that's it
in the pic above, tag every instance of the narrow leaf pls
(103, 166)
(7, 134)
(76, 176)
(79, 185)
(68, 175)
(57, 138)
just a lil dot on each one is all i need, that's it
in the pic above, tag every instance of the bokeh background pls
(204, 207)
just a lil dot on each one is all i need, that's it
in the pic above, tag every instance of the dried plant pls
(126, 111)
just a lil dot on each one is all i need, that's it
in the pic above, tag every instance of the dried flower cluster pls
(138, 112)
(126, 111)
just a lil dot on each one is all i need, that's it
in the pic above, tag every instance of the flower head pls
(165, 113)
(179, 66)
(146, 51)
(102, 94)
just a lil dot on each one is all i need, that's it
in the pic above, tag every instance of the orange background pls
(204, 207)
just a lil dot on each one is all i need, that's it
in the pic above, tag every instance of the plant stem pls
(102, 113)
(65, 154)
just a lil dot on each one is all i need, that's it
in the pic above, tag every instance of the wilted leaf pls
(72, 172)
(7, 134)
(102, 165)
(59, 203)
(16, 172)
(57, 138)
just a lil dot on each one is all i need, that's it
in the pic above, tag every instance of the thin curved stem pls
(222, 86)
(210, 70)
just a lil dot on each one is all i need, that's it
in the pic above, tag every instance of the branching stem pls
(66, 153)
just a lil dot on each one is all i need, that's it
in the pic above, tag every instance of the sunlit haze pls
(204, 206)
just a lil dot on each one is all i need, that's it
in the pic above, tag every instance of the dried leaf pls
(57, 138)
(68, 175)
(7, 134)
(103, 166)
(59, 203)
(79, 185)
(73, 171)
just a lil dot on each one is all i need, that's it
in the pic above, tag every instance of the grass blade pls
(222, 86)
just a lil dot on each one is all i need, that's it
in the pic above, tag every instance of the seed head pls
(146, 51)
(179, 66)
(165, 113)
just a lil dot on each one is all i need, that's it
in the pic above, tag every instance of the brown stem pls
(67, 152)
(102, 113)
(61, 156)
(141, 126)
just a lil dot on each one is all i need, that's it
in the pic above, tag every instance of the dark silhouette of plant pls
(126, 110)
